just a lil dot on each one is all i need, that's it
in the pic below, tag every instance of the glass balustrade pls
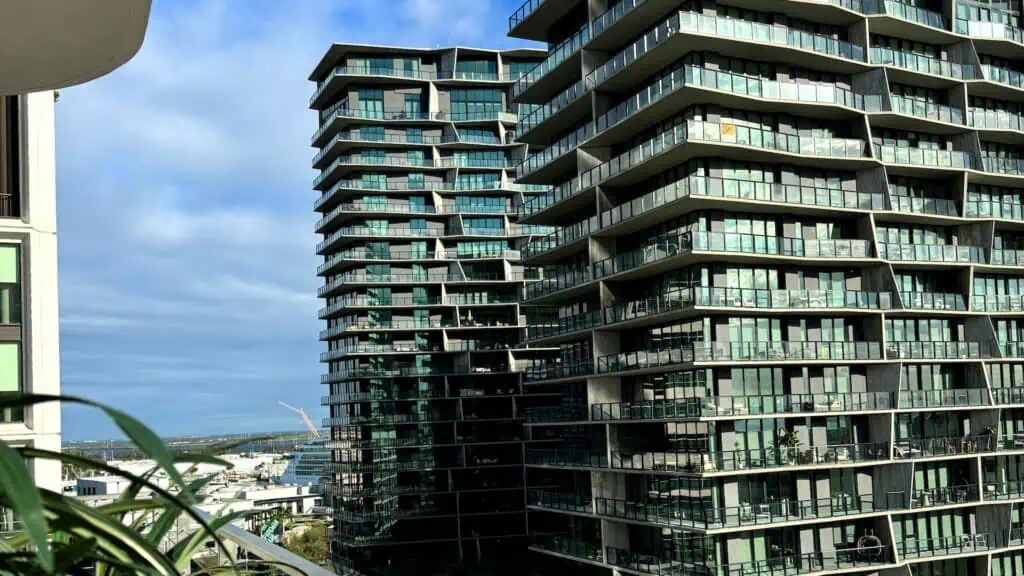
(1010, 166)
(740, 352)
(948, 253)
(539, 202)
(933, 301)
(1002, 257)
(912, 399)
(949, 446)
(993, 119)
(913, 547)
(556, 56)
(743, 406)
(699, 131)
(731, 188)
(564, 146)
(905, 11)
(1000, 75)
(1009, 209)
(625, 58)
(689, 75)
(937, 350)
(998, 303)
(927, 157)
(987, 29)
(937, 206)
(921, 63)
(553, 106)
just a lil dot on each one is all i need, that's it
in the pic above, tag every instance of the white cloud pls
(186, 223)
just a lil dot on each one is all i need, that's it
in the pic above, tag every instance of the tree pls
(311, 544)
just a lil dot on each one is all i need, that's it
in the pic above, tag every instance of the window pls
(371, 103)
(476, 69)
(10, 329)
(475, 103)
(412, 105)
(10, 157)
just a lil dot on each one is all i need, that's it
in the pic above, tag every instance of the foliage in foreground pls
(131, 535)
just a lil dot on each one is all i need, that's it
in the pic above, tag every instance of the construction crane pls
(305, 419)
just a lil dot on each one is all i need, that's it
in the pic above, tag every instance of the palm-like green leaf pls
(18, 492)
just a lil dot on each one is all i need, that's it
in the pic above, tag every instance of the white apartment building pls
(47, 45)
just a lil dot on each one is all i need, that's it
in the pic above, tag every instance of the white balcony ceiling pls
(50, 44)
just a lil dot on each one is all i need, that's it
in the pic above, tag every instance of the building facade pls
(422, 279)
(29, 342)
(786, 285)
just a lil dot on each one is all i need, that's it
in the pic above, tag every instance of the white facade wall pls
(36, 232)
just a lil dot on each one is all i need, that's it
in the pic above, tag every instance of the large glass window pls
(475, 103)
(371, 102)
(476, 69)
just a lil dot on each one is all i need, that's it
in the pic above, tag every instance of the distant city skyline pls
(186, 231)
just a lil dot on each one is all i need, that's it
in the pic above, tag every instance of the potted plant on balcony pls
(788, 444)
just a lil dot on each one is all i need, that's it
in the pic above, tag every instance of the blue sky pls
(187, 272)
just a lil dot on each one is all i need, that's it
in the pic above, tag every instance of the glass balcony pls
(689, 75)
(929, 110)
(985, 29)
(555, 105)
(562, 413)
(936, 447)
(1000, 75)
(565, 325)
(1011, 166)
(770, 34)
(537, 203)
(937, 206)
(556, 56)
(933, 301)
(960, 398)
(934, 158)
(1012, 490)
(746, 298)
(564, 501)
(566, 457)
(776, 246)
(949, 253)
(569, 547)
(1009, 209)
(1008, 395)
(937, 350)
(752, 459)
(557, 371)
(560, 148)
(1001, 257)
(905, 11)
(724, 133)
(740, 352)
(941, 546)
(562, 236)
(566, 279)
(993, 119)
(396, 232)
(742, 406)
(614, 14)
(999, 303)
(633, 52)
(774, 192)
(687, 242)
(921, 63)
